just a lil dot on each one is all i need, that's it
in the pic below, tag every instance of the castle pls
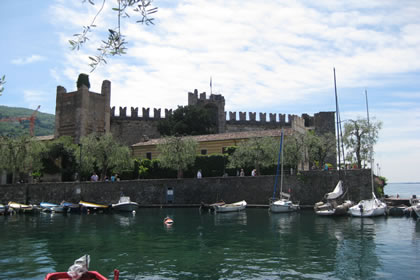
(82, 112)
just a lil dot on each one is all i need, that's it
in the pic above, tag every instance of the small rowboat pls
(93, 206)
(232, 207)
(52, 207)
(19, 207)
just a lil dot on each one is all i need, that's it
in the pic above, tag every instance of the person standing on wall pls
(254, 172)
(199, 175)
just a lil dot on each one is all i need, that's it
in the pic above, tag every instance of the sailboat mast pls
(281, 172)
(278, 165)
(371, 148)
(338, 121)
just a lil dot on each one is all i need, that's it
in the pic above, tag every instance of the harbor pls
(202, 245)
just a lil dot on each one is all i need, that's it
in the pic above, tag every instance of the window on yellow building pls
(149, 155)
(204, 152)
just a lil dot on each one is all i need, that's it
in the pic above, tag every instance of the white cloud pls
(27, 60)
(35, 97)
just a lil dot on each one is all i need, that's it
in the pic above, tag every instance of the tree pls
(104, 153)
(294, 150)
(359, 139)
(59, 156)
(257, 152)
(115, 44)
(20, 155)
(320, 147)
(190, 120)
(177, 153)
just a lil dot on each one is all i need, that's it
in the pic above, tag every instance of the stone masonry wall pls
(308, 187)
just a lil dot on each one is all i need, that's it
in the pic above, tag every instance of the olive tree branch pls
(116, 44)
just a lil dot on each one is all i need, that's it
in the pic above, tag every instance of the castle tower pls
(216, 100)
(82, 112)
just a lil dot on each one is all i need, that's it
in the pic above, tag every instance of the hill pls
(44, 123)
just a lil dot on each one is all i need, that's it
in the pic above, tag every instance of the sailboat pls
(369, 207)
(283, 204)
(334, 203)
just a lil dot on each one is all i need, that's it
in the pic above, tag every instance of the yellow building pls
(208, 144)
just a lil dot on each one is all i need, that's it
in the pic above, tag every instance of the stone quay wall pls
(308, 187)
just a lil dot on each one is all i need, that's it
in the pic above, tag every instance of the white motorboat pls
(232, 207)
(283, 204)
(125, 204)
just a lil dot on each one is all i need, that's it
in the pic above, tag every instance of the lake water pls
(405, 190)
(253, 244)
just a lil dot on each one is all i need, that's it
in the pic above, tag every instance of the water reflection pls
(125, 219)
(225, 219)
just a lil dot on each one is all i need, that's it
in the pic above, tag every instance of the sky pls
(262, 56)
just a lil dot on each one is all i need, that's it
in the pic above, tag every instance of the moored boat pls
(89, 206)
(333, 204)
(125, 204)
(283, 204)
(20, 207)
(416, 208)
(370, 207)
(231, 207)
(52, 207)
(5, 210)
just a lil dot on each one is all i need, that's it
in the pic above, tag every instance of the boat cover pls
(337, 192)
(79, 267)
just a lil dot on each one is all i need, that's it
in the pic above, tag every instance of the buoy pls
(168, 221)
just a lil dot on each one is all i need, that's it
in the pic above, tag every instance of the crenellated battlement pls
(82, 112)
(134, 115)
(277, 119)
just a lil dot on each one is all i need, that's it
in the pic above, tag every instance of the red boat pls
(90, 275)
(79, 271)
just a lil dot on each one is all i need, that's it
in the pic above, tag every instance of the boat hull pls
(368, 208)
(416, 209)
(283, 206)
(93, 206)
(125, 207)
(233, 207)
(19, 207)
(90, 275)
(332, 209)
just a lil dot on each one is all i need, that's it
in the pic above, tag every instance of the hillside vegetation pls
(44, 123)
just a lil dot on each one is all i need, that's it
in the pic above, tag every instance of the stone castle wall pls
(309, 187)
(82, 112)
